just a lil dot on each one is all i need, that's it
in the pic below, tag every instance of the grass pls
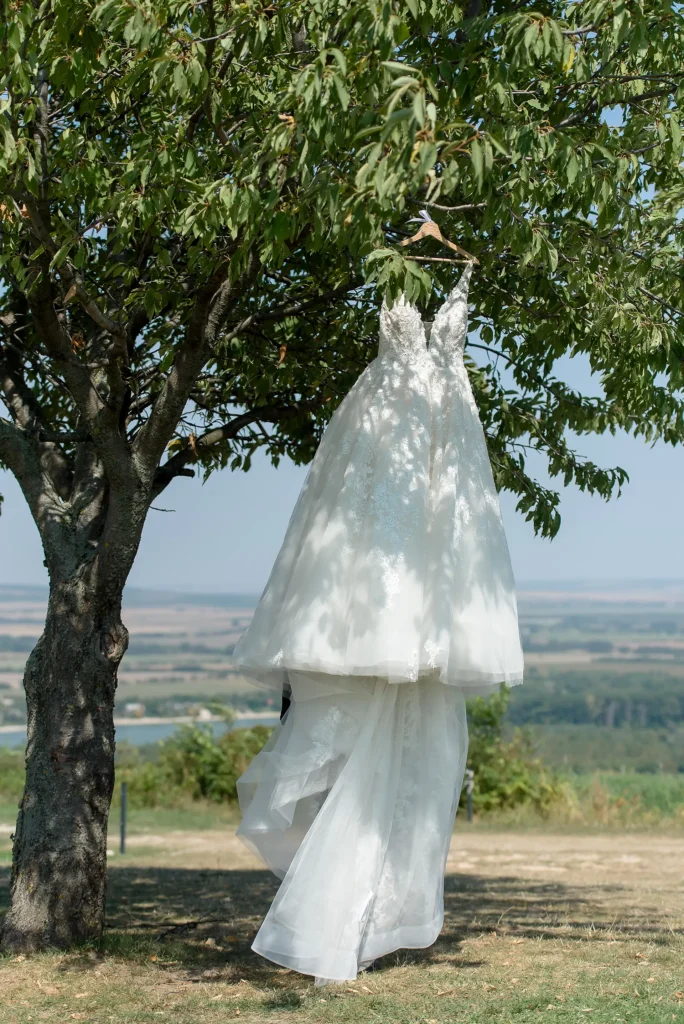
(512, 984)
(598, 802)
(194, 817)
(563, 928)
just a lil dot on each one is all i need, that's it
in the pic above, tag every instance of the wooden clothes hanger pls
(430, 228)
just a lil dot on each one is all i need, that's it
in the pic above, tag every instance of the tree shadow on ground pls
(204, 921)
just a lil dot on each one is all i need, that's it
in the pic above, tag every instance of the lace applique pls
(450, 327)
(390, 576)
(432, 650)
(401, 329)
(395, 561)
(388, 497)
(412, 666)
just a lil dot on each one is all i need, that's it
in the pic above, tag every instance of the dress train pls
(352, 804)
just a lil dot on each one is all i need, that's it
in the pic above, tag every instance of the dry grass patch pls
(558, 928)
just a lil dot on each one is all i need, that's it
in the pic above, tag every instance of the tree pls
(201, 204)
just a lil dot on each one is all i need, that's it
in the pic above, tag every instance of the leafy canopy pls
(205, 199)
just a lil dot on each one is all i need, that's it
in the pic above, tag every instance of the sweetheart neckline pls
(464, 278)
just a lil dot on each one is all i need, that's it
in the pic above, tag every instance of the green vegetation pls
(189, 781)
(507, 775)
(599, 696)
(192, 765)
(11, 775)
(561, 929)
(587, 748)
(588, 743)
(195, 765)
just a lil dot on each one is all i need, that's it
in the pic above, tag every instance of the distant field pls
(602, 657)
(579, 748)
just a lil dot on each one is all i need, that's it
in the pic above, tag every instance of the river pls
(145, 731)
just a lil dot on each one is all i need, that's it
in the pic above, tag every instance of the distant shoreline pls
(179, 720)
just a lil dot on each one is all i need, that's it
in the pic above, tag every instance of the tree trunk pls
(60, 846)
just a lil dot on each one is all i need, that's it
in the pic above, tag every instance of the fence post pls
(470, 786)
(124, 808)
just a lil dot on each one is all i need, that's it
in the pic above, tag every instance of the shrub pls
(507, 774)
(193, 764)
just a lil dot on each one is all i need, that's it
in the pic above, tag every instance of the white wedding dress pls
(394, 570)
(395, 562)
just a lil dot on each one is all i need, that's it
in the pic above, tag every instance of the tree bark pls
(60, 846)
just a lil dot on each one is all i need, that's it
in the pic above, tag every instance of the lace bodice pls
(404, 333)
(450, 327)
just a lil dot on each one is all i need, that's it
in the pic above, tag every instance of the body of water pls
(142, 733)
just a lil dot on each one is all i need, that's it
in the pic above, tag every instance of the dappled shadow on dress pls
(395, 562)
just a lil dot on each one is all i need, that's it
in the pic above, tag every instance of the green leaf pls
(340, 58)
(180, 82)
(341, 90)
(418, 107)
(400, 66)
(61, 254)
(572, 168)
(477, 160)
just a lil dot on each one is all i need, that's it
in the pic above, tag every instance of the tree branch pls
(26, 413)
(73, 282)
(101, 417)
(211, 306)
(12, 447)
(65, 437)
(20, 454)
(176, 465)
(672, 310)
(453, 209)
(292, 309)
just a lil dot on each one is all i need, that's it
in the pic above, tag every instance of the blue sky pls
(223, 536)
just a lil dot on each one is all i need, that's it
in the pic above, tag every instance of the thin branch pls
(539, 381)
(212, 304)
(73, 282)
(656, 298)
(452, 209)
(176, 465)
(65, 437)
(292, 309)
(214, 39)
(435, 259)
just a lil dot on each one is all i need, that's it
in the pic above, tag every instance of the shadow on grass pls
(203, 922)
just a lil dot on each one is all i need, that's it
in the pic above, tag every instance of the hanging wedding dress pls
(395, 562)
(394, 570)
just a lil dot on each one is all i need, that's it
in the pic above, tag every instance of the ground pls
(539, 926)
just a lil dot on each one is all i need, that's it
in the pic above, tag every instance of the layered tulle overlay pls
(394, 570)
(395, 562)
(352, 804)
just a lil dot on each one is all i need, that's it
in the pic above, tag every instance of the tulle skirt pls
(395, 563)
(352, 804)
